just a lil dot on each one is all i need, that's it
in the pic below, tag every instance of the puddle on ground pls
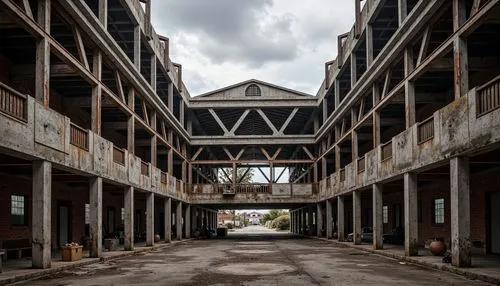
(251, 269)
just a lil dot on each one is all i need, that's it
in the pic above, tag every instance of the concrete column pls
(329, 219)
(356, 213)
(129, 218)
(187, 221)
(178, 218)
(168, 220)
(340, 218)
(137, 47)
(411, 214)
(42, 218)
(95, 199)
(460, 212)
(402, 10)
(410, 103)
(96, 105)
(292, 221)
(310, 221)
(150, 219)
(42, 64)
(319, 219)
(131, 123)
(378, 223)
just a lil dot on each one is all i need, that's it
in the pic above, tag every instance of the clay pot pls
(157, 237)
(437, 248)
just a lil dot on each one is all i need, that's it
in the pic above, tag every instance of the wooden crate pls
(71, 253)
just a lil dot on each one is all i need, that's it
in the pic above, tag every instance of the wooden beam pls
(198, 152)
(80, 47)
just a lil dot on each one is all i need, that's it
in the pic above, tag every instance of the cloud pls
(222, 42)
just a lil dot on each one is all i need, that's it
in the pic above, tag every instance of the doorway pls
(64, 222)
(495, 223)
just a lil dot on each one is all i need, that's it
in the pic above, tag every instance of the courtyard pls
(253, 256)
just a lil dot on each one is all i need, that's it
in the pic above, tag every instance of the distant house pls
(225, 217)
(254, 218)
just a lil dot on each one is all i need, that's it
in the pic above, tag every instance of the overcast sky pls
(222, 42)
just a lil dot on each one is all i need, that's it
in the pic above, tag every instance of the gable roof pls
(255, 81)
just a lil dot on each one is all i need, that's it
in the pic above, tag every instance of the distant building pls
(254, 218)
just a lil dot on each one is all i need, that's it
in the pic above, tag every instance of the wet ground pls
(254, 256)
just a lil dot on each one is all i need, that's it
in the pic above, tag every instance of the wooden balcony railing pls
(488, 97)
(361, 164)
(13, 103)
(79, 137)
(252, 189)
(163, 178)
(118, 155)
(425, 130)
(342, 175)
(144, 168)
(386, 151)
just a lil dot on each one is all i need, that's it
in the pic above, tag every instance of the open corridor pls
(254, 258)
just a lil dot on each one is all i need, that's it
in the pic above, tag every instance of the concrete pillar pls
(178, 218)
(378, 223)
(329, 219)
(150, 219)
(460, 212)
(411, 214)
(95, 213)
(129, 218)
(340, 218)
(292, 221)
(187, 221)
(402, 10)
(356, 213)
(310, 221)
(41, 220)
(168, 220)
(319, 219)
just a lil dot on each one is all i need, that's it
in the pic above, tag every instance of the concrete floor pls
(253, 256)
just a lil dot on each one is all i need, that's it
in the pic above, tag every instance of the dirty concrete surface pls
(254, 256)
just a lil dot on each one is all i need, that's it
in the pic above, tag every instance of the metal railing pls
(386, 151)
(425, 130)
(144, 168)
(78, 136)
(488, 97)
(118, 155)
(342, 175)
(13, 103)
(361, 164)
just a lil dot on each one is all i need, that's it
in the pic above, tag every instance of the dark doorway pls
(64, 222)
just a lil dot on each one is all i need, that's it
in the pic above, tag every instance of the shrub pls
(281, 222)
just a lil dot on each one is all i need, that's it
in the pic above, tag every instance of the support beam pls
(340, 218)
(96, 107)
(356, 212)
(310, 221)
(402, 11)
(268, 122)
(42, 214)
(95, 213)
(168, 220)
(460, 212)
(137, 47)
(378, 222)
(42, 71)
(187, 221)
(369, 45)
(178, 220)
(411, 214)
(128, 220)
(219, 121)
(410, 108)
(240, 120)
(329, 219)
(150, 219)
(319, 219)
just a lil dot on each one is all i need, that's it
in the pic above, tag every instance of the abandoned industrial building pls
(99, 136)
